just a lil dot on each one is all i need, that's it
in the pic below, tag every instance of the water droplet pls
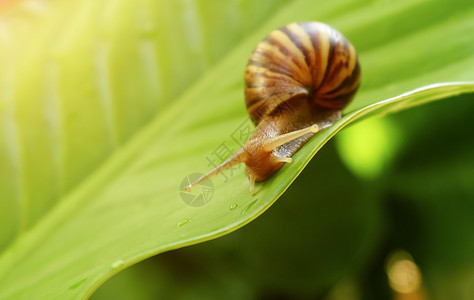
(183, 222)
(77, 284)
(233, 206)
(117, 264)
(248, 206)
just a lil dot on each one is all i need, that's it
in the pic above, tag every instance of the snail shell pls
(297, 81)
(310, 59)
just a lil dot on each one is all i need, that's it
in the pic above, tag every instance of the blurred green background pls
(398, 184)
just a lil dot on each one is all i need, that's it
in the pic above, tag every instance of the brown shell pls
(310, 60)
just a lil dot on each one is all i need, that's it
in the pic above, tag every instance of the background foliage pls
(104, 108)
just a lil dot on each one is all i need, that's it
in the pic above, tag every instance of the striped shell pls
(310, 60)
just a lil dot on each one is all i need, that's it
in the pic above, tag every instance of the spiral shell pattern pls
(310, 60)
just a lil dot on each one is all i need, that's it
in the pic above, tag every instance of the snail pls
(297, 81)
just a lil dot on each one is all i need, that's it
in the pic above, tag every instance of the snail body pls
(297, 81)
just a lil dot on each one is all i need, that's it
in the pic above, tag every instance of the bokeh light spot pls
(369, 147)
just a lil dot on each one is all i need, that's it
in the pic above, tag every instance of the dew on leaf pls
(116, 264)
(248, 206)
(78, 284)
(183, 222)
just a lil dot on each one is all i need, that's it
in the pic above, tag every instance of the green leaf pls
(101, 122)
